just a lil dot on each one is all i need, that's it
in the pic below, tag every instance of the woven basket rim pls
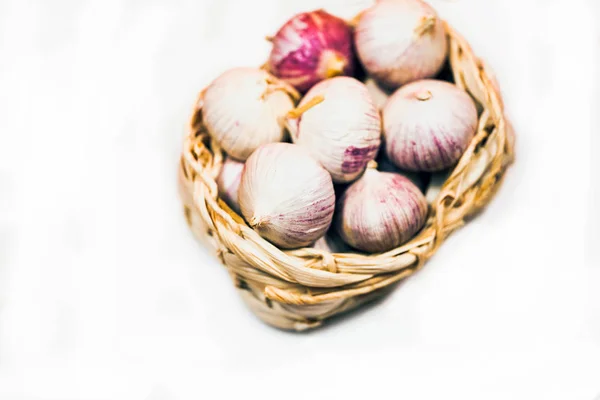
(309, 276)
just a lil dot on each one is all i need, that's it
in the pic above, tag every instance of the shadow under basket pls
(298, 289)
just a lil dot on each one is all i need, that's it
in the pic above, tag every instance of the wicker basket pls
(298, 289)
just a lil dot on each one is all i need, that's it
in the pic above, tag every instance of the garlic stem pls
(257, 221)
(275, 85)
(423, 95)
(298, 111)
(335, 65)
(427, 24)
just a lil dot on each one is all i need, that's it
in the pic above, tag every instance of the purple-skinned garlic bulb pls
(311, 47)
(245, 108)
(400, 41)
(428, 125)
(339, 124)
(380, 211)
(286, 196)
(228, 182)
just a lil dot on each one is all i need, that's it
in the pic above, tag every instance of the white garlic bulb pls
(286, 196)
(380, 211)
(428, 125)
(245, 108)
(228, 182)
(399, 41)
(343, 131)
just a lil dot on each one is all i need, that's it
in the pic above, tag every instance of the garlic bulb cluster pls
(245, 108)
(380, 211)
(428, 125)
(400, 41)
(310, 47)
(228, 182)
(286, 196)
(340, 126)
(380, 142)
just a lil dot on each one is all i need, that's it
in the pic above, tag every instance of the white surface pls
(105, 295)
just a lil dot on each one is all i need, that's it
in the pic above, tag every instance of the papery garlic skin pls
(245, 108)
(343, 132)
(228, 182)
(380, 211)
(428, 125)
(310, 47)
(400, 41)
(286, 196)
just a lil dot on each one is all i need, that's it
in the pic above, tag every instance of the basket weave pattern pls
(298, 289)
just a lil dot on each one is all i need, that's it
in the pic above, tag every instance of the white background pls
(104, 294)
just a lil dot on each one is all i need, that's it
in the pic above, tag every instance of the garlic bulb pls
(286, 196)
(428, 125)
(340, 126)
(380, 211)
(310, 47)
(400, 41)
(244, 108)
(228, 182)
